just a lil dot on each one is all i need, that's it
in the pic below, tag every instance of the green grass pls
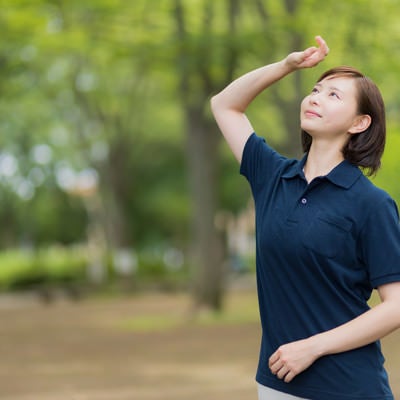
(240, 309)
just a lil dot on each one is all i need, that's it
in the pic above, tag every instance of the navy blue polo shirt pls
(321, 249)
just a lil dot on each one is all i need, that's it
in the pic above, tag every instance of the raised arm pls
(230, 104)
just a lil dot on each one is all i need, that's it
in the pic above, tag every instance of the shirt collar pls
(343, 175)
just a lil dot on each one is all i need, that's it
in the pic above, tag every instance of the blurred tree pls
(98, 97)
(210, 49)
(196, 83)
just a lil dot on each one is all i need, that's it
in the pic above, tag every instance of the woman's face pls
(330, 110)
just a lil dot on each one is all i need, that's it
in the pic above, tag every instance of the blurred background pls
(118, 196)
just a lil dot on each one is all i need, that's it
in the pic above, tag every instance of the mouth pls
(310, 113)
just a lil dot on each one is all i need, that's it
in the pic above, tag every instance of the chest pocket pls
(327, 234)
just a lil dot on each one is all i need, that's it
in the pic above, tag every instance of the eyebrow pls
(330, 87)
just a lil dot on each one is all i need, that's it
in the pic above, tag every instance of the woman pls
(326, 236)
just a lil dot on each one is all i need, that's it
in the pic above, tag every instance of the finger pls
(289, 376)
(307, 53)
(273, 359)
(283, 372)
(274, 368)
(322, 45)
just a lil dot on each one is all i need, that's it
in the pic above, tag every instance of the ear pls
(361, 123)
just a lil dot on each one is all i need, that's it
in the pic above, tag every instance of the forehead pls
(341, 82)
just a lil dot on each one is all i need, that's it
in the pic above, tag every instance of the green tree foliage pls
(104, 112)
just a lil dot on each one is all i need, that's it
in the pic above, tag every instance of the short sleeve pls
(380, 241)
(260, 163)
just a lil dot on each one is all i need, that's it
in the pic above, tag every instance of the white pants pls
(266, 393)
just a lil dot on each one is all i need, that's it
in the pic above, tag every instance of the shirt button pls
(304, 200)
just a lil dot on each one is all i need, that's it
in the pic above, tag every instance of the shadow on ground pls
(136, 348)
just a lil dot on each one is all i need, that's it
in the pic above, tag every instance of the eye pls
(314, 90)
(334, 94)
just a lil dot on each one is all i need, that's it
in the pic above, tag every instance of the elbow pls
(220, 104)
(214, 103)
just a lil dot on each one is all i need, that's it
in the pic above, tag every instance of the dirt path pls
(97, 350)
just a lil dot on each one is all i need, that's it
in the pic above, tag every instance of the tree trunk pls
(206, 249)
(202, 143)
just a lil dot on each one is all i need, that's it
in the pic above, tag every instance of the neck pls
(321, 160)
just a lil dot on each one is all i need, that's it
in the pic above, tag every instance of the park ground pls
(141, 347)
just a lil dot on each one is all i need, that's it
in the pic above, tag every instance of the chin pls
(306, 129)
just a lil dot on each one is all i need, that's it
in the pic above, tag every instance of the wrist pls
(288, 65)
(319, 345)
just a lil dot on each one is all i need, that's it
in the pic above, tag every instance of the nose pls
(314, 98)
